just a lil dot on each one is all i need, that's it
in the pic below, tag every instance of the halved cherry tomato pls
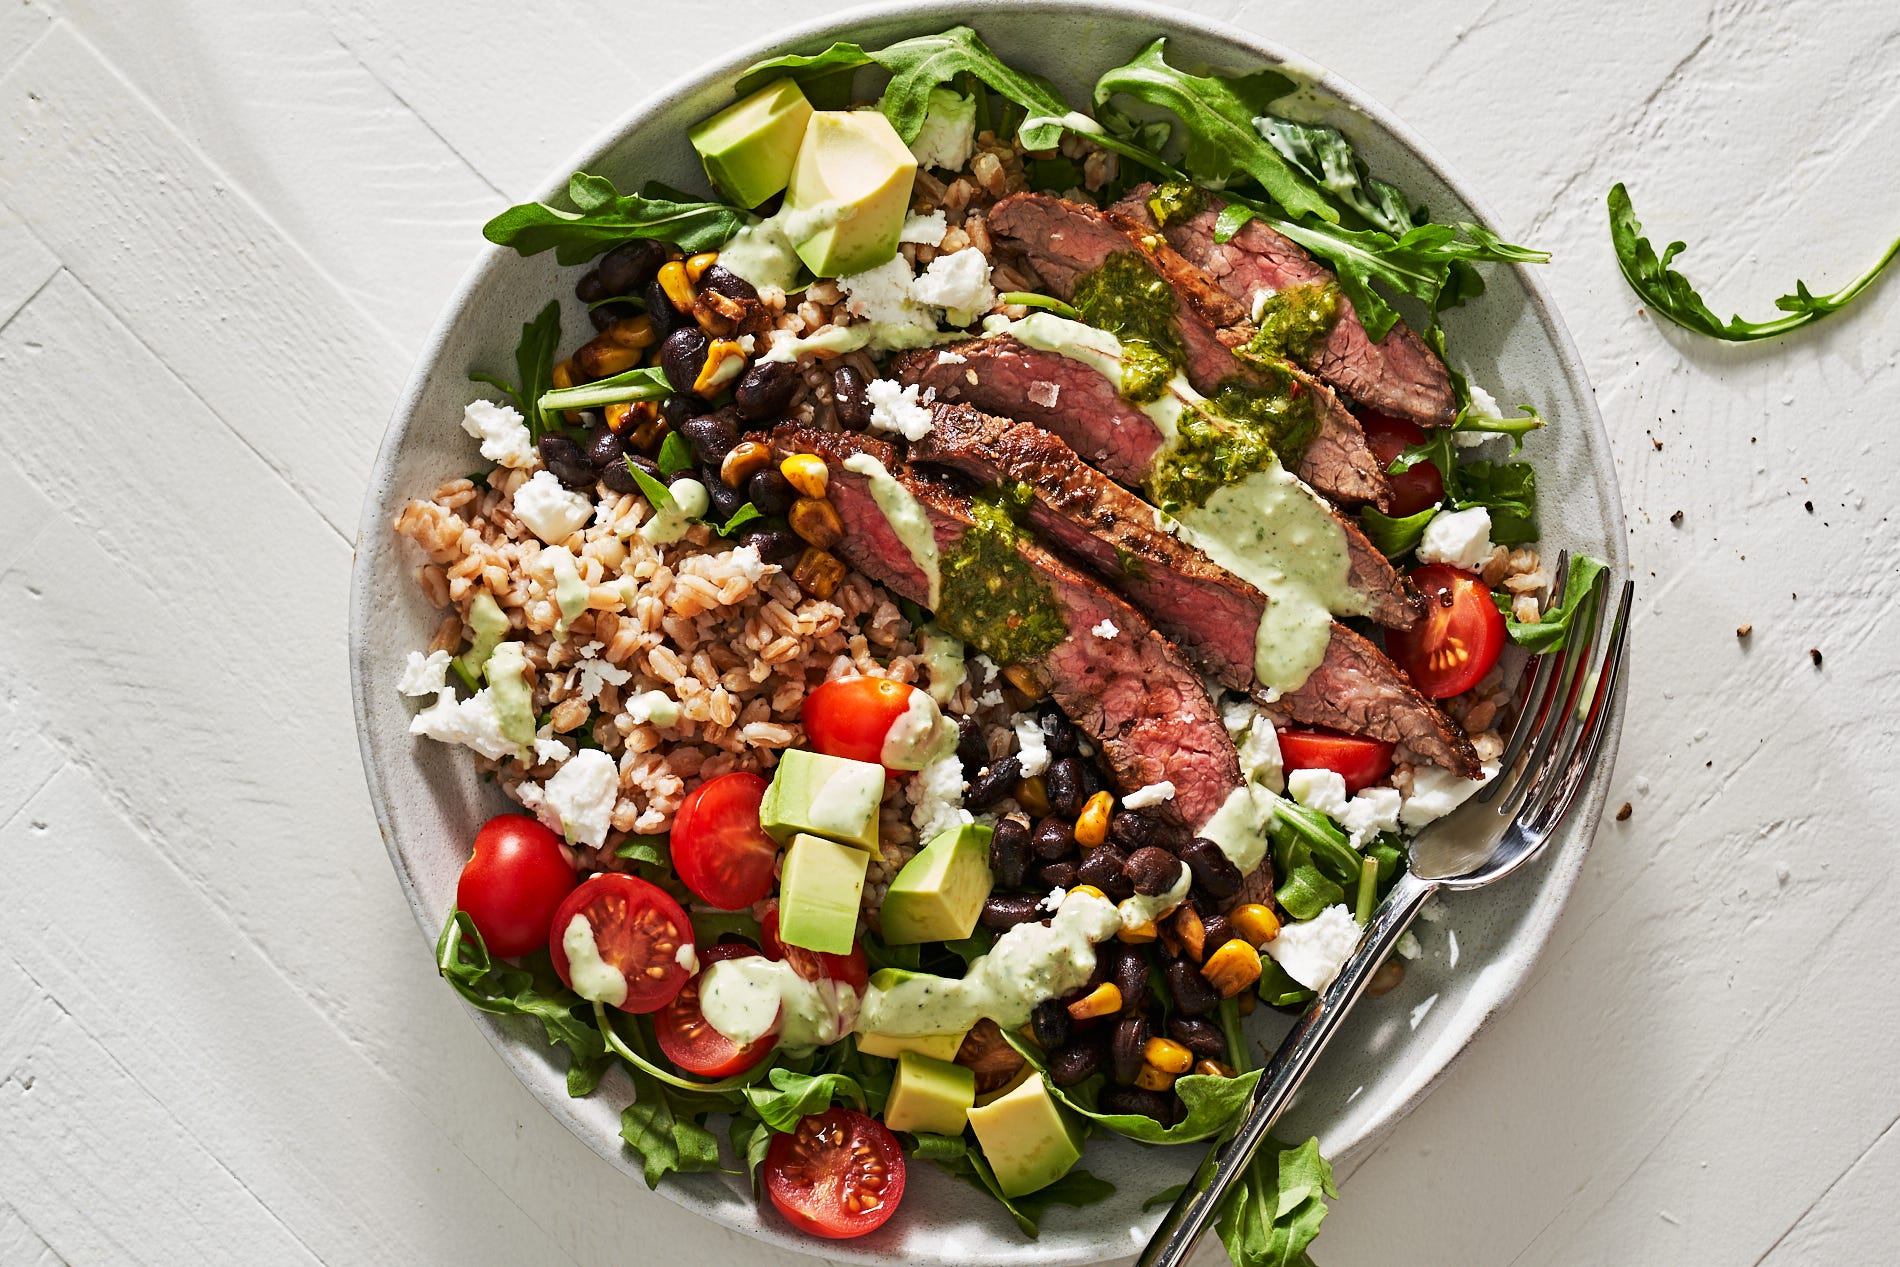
(1415, 488)
(512, 883)
(813, 965)
(697, 1047)
(1457, 640)
(638, 930)
(840, 1174)
(1359, 761)
(719, 850)
(852, 717)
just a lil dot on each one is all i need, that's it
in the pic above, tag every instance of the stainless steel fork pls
(1553, 746)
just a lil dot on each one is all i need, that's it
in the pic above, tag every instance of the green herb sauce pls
(1132, 302)
(989, 597)
(1208, 451)
(1174, 202)
(1289, 323)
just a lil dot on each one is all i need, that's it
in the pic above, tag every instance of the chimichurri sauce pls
(991, 598)
(1174, 202)
(1292, 321)
(1132, 302)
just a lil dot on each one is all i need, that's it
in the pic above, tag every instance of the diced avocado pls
(928, 1095)
(831, 797)
(1029, 1140)
(849, 191)
(491, 625)
(818, 892)
(940, 891)
(935, 1046)
(749, 147)
(507, 672)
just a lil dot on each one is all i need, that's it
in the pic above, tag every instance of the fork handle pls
(1199, 1203)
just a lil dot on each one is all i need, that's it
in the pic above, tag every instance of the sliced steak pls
(1358, 690)
(1398, 375)
(1063, 240)
(1132, 694)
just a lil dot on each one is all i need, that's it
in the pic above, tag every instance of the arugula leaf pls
(927, 1147)
(643, 849)
(494, 986)
(658, 495)
(1167, 1196)
(1211, 1102)
(675, 455)
(1394, 537)
(878, 955)
(1508, 490)
(750, 1138)
(1077, 1188)
(794, 1095)
(1270, 1219)
(644, 382)
(824, 78)
(606, 217)
(535, 354)
(1326, 157)
(665, 1140)
(1669, 292)
(1217, 117)
(1305, 892)
(1301, 835)
(1277, 988)
(1552, 628)
(741, 517)
(920, 64)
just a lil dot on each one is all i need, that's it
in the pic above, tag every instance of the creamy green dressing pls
(943, 657)
(833, 341)
(746, 999)
(906, 517)
(1239, 826)
(918, 736)
(1142, 909)
(848, 798)
(765, 253)
(592, 977)
(570, 592)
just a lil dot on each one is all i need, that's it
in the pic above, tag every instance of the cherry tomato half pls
(1457, 640)
(1415, 488)
(512, 883)
(697, 1047)
(638, 930)
(813, 965)
(840, 1174)
(1360, 762)
(719, 850)
(851, 717)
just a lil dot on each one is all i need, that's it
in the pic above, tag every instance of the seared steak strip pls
(1132, 694)
(1399, 375)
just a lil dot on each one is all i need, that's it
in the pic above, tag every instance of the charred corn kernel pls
(1033, 795)
(1091, 890)
(1232, 968)
(1104, 1000)
(1247, 1002)
(1140, 934)
(696, 265)
(563, 375)
(818, 573)
(600, 357)
(618, 416)
(725, 361)
(648, 427)
(1020, 677)
(1167, 1055)
(1091, 826)
(1213, 1069)
(816, 520)
(634, 332)
(678, 287)
(807, 473)
(1254, 923)
(1193, 934)
(746, 459)
(1153, 1079)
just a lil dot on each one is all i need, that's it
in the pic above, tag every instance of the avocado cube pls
(929, 1095)
(940, 891)
(849, 192)
(935, 1046)
(818, 893)
(749, 147)
(1029, 1140)
(826, 796)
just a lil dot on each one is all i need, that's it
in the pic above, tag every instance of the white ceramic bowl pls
(429, 801)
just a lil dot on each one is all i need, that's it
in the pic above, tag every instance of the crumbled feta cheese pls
(1461, 538)
(1032, 746)
(1106, 629)
(472, 722)
(746, 560)
(547, 747)
(1362, 817)
(894, 407)
(579, 800)
(881, 296)
(948, 136)
(936, 797)
(987, 667)
(687, 957)
(1436, 793)
(1313, 952)
(1483, 405)
(748, 343)
(505, 439)
(424, 675)
(1408, 946)
(1434, 911)
(1258, 744)
(549, 511)
(924, 230)
(596, 674)
(990, 698)
(1152, 794)
(1044, 394)
(1053, 899)
(947, 357)
(958, 282)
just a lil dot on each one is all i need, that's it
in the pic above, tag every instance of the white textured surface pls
(224, 225)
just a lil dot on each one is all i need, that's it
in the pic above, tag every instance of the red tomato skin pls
(817, 1206)
(696, 1047)
(1359, 761)
(850, 717)
(1413, 489)
(853, 969)
(619, 942)
(719, 850)
(1454, 644)
(512, 883)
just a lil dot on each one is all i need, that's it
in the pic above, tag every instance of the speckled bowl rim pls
(1565, 856)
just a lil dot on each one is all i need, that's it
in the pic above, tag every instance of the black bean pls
(726, 500)
(1130, 976)
(766, 390)
(993, 785)
(590, 288)
(607, 314)
(1132, 830)
(1092, 781)
(1054, 838)
(775, 545)
(711, 436)
(1057, 875)
(1009, 852)
(1212, 869)
(604, 447)
(1050, 1024)
(1063, 785)
(1153, 871)
(1006, 910)
(630, 266)
(1103, 867)
(1058, 731)
(771, 492)
(1077, 1062)
(1191, 993)
(1125, 1048)
(848, 396)
(1216, 931)
(616, 476)
(1137, 1101)
(682, 356)
(680, 406)
(723, 281)
(1201, 1037)
(562, 456)
(660, 310)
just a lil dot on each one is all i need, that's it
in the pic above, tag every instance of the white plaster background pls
(225, 226)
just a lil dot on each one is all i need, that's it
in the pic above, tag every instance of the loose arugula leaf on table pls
(535, 354)
(605, 217)
(1210, 1102)
(824, 78)
(1077, 1188)
(793, 1095)
(1552, 629)
(1669, 292)
(498, 987)
(920, 64)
